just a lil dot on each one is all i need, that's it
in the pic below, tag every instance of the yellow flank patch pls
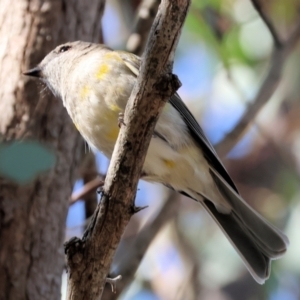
(169, 163)
(84, 92)
(76, 125)
(113, 133)
(103, 70)
(167, 107)
(113, 55)
(114, 108)
(190, 151)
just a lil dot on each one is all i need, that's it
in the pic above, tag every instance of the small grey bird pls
(95, 82)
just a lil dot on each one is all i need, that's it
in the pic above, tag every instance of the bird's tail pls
(255, 239)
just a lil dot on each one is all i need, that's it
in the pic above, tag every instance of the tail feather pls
(254, 238)
(271, 241)
(258, 264)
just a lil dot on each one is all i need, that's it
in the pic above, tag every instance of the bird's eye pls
(64, 49)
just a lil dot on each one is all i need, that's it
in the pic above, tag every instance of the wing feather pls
(133, 63)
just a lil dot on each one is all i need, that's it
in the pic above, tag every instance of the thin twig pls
(190, 288)
(265, 92)
(145, 16)
(268, 22)
(88, 172)
(89, 187)
(285, 154)
(113, 282)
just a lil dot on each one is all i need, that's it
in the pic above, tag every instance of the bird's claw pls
(121, 120)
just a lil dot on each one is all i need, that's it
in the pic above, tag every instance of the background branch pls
(268, 22)
(88, 172)
(88, 188)
(89, 259)
(144, 19)
(191, 287)
(265, 92)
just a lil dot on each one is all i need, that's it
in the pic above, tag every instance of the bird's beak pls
(35, 72)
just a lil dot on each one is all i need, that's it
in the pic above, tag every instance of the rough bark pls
(133, 252)
(281, 53)
(32, 217)
(89, 259)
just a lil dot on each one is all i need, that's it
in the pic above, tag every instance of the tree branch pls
(268, 22)
(88, 171)
(89, 259)
(88, 188)
(191, 287)
(113, 282)
(145, 16)
(133, 256)
(266, 90)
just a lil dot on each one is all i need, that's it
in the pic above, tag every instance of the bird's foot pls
(121, 120)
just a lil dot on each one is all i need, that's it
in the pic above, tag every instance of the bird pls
(94, 83)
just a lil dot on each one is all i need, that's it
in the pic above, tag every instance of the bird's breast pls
(97, 123)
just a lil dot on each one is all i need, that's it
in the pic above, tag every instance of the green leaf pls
(23, 161)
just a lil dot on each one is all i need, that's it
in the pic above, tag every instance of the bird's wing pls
(133, 63)
(201, 139)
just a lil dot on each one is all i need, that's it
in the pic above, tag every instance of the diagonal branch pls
(191, 287)
(133, 256)
(89, 258)
(88, 172)
(145, 16)
(266, 90)
(88, 188)
(257, 5)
